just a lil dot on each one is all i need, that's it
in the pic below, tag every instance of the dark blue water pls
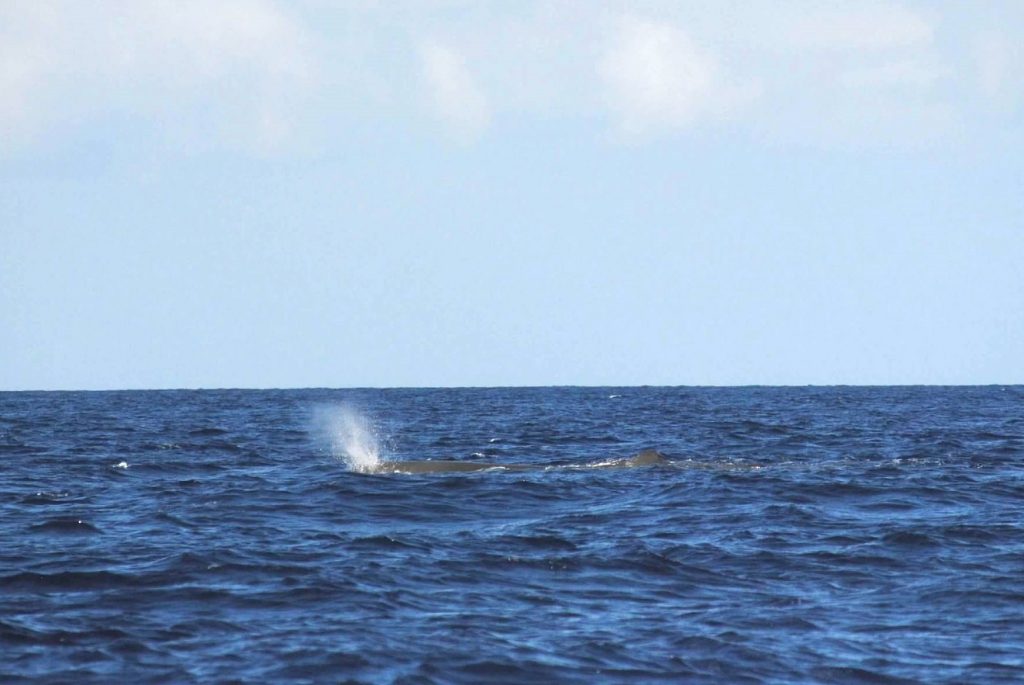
(839, 535)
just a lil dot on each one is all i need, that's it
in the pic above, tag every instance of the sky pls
(258, 193)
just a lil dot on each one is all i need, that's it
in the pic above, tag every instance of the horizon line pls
(521, 387)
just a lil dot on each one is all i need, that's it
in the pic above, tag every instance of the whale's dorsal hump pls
(648, 458)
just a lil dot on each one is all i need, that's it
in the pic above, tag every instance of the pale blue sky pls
(267, 194)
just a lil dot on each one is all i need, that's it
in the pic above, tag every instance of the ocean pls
(796, 535)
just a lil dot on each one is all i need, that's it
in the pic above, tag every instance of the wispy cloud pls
(866, 74)
(999, 64)
(858, 26)
(27, 61)
(258, 75)
(903, 75)
(657, 78)
(454, 96)
(208, 73)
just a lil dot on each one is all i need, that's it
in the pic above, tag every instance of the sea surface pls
(800, 535)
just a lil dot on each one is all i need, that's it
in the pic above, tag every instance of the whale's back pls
(648, 458)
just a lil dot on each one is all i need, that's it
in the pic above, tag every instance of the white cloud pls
(211, 73)
(859, 26)
(25, 63)
(657, 78)
(455, 97)
(259, 74)
(902, 75)
(856, 75)
(999, 65)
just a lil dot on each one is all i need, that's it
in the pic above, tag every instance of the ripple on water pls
(803, 535)
(72, 526)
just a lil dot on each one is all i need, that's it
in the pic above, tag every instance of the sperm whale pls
(647, 457)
